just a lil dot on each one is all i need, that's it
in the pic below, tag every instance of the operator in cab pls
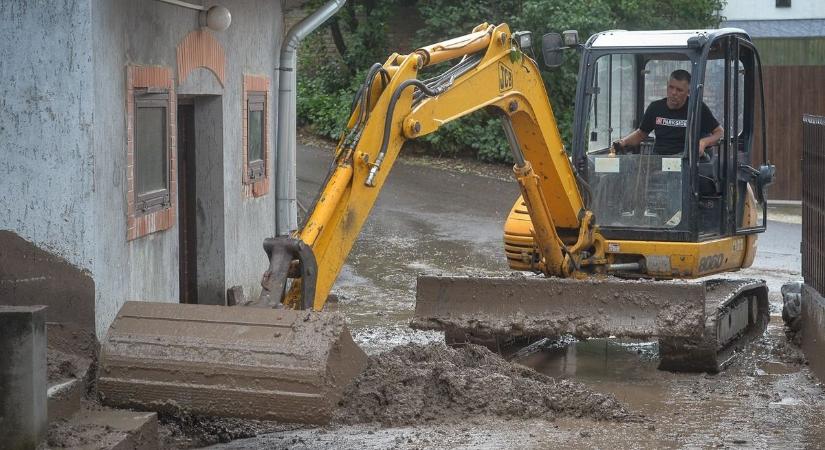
(668, 118)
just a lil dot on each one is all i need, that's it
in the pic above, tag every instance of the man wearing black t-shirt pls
(668, 117)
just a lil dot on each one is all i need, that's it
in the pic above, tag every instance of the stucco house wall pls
(64, 169)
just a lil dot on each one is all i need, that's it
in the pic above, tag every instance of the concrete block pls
(69, 375)
(111, 429)
(257, 363)
(813, 329)
(64, 399)
(23, 385)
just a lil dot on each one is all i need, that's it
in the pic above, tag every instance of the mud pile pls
(412, 384)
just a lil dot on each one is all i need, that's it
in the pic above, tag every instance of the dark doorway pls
(186, 202)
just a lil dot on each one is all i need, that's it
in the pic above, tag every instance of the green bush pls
(323, 112)
(478, 135)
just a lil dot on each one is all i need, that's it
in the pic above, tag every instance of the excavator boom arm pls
(394, 106)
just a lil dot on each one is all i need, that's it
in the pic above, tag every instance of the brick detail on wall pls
(138, 77)
(253, 83)
(200, 49)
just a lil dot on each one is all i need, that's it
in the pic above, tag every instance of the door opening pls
(186, 202)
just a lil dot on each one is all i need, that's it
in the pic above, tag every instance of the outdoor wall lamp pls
(216, 18)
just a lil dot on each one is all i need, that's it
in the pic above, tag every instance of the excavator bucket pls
(261, 363)
(697, 323)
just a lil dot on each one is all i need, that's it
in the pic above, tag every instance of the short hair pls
(681, 75)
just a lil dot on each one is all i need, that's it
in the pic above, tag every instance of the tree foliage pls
(361, 36)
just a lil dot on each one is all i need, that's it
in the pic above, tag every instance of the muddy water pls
(765, 399)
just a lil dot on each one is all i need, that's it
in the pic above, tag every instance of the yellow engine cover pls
(519, 245)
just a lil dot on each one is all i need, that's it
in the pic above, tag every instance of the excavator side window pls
(613, 106)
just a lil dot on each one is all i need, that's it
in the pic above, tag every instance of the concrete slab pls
(64, 398)
(284, 365)
(813, 329)
(69, 375)
(23, 415)
(111, 429)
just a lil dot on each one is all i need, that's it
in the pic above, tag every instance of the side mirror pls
(551, 49)
(571, 38)
(524, 39)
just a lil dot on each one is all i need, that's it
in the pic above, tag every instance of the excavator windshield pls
(640, 185)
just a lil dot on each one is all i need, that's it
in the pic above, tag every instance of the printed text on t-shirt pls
(664, 121)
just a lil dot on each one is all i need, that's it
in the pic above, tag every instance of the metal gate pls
(813, 201)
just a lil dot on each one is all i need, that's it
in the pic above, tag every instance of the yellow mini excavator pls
(614, 233)
(626, 212)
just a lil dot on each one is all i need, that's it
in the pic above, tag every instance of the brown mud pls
(61, 366)
(183, 430)
(416, 384)
(63, 434)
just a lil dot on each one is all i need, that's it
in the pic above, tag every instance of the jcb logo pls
(505, 78)
(711, 262)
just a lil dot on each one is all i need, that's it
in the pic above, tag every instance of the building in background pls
(790, 37)
(137, 153)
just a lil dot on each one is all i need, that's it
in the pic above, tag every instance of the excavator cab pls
(662, 189)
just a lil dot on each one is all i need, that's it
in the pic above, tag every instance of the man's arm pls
(709, 122)
(633, 139)
(710, 139)
(639, 134)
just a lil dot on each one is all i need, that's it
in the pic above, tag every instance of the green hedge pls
(327, 85)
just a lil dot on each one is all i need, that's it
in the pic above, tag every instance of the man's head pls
(678, 87)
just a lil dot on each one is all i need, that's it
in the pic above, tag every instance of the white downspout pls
(286, 215)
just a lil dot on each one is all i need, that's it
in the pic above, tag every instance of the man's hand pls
(710, 140)
(618, 146)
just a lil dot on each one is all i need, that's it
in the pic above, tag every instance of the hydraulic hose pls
(388, 123)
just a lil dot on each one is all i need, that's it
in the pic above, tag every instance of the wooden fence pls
(790, 92)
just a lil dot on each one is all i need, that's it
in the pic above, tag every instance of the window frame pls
(159, 216)
(256, 102)
(149, 202)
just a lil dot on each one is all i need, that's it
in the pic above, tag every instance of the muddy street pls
(436, 220)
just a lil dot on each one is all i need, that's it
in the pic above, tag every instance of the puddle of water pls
(597, 360)
(624, 368)
(777, 368)
(787, 401)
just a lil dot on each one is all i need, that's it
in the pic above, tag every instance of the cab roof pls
(657, 39)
